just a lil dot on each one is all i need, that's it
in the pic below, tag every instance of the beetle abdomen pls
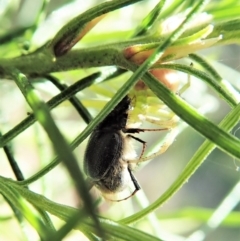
(113, 181)
(103, 151)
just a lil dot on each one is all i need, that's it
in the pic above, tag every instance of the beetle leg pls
(141, 141)
(135, 182)
(168, 141)
(137, 130)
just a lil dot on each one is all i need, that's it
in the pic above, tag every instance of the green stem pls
(67, 37)
(206, 148)
(77, 104)
(16, 200)
(222, 139)
(58, 99)
(150, 19)
(42, 62)
(64, 212)
(55, 101)
(43, 115)
(133, 79)
(214, 83)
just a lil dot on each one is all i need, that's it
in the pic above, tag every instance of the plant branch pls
(58, 99)
(44, 117)
(206, 148)
(42, 62)
(73, 31)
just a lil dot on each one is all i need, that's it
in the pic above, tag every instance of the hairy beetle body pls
(110, 156)
(104, 161)
(108, 151)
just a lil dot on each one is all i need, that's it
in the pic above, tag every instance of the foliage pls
(171, 31)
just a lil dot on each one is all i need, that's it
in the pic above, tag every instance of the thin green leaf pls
(230, 30)
(171, 9)
(138, 73)
(25, 209)
(126, 87)
(124, 232)
(20, 218)
(220, 213)
(55, 101)
(202, 215)
(206, 148)
(64, 212)
(43, 115)
(149, 20)
(77, 104)
(58, 99)
(14, 165)
(197, 36)
(71, 223)
(228, 143)
(231, 99)
(67, 36)
(41, 14)
(229, 13)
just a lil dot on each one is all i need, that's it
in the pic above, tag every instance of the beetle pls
(109, 155)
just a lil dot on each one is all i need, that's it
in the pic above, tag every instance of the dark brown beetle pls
(109, 151)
